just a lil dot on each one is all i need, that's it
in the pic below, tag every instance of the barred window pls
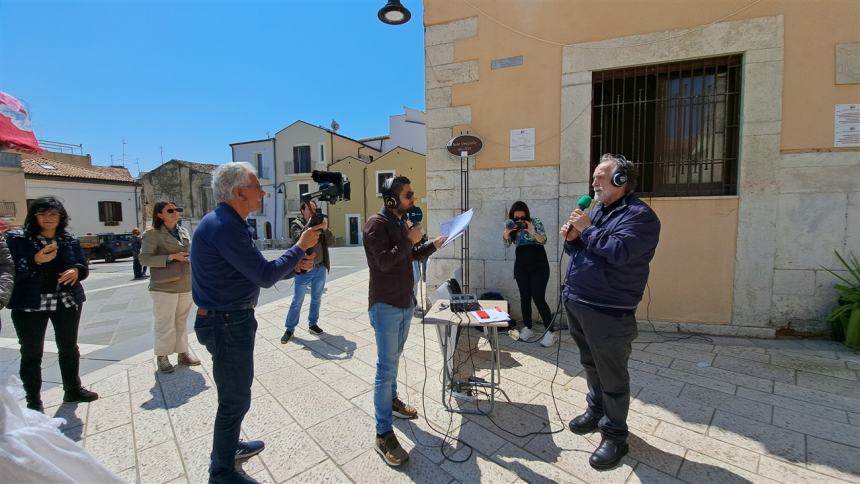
(679, 122)
(7, 209)
(110, 212)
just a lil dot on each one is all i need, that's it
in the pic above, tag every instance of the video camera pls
(333, 187)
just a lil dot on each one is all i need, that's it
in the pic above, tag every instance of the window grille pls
(679, 122)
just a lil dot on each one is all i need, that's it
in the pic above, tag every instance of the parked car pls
(109, 247)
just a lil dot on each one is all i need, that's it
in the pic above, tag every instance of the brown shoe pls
(389, 448)
(164, 364)
(402, 410)
(188, 360)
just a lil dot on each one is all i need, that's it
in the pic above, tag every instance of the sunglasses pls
(171, 210)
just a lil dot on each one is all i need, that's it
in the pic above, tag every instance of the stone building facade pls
(747, 263)
(186, 183)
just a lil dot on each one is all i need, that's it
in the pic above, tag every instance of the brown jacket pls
(156, 246)
(389, 257)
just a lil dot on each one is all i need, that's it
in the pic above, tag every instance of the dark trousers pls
(138, 268)
(229, 338)
(531, 271)
(604, 343)
(31, 329)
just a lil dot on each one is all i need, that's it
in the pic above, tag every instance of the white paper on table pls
(493, 316)
(456, 226)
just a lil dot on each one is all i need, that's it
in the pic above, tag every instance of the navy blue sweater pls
(227, 269)
(609, 262)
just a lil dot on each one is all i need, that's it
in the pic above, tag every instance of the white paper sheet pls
(456, 226)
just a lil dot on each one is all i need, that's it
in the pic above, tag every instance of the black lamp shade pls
(393, 13)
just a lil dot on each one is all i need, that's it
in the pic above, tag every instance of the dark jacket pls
(7, 273)
(29, 276)
(321, 249)
(390, 253)
(135, 245)
(609, 262)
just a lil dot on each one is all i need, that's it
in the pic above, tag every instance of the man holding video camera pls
(227, 273)
(314, 279)
(390, 248)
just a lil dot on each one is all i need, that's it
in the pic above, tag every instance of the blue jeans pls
(313, 281)
(391, 327)
(229, 337)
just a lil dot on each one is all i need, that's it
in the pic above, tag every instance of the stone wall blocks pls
(526, 177)
(439, 54)
(794, 282)
(762, 92)
(451, 74)
(448, 117)
(848, 63)
(438, 98)
(451, 31)
(438, 138)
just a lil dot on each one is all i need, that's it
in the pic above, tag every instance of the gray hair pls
(629, 168)
(229, 176)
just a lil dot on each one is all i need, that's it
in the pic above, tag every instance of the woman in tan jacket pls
(164, 248)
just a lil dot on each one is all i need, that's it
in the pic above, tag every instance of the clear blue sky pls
(194, 76)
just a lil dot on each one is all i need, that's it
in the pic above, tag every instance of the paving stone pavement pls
(716, 409)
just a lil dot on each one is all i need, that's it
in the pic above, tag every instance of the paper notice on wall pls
(847, 126)
(523, 144)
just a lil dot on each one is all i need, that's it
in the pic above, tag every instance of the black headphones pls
(391, 199)
(619, 178)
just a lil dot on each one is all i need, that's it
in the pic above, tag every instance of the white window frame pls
(293, 154)
(393, 173)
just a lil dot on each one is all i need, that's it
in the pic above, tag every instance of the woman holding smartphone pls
(164, 248)
(49, 268)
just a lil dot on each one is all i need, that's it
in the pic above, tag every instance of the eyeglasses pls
(52, 214)
(171, 210)
(258, 187)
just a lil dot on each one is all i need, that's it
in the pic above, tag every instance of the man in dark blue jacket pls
(227, 272)
(610, 250)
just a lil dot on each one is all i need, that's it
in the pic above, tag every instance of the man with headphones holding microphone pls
(391, 247)
(610, 249)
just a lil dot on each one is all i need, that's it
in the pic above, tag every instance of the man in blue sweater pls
(226, 276)
(610, 250)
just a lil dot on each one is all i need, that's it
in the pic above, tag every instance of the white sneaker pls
(548, 339)
(525, 334)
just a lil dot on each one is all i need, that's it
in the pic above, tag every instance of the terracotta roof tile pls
(54, 168)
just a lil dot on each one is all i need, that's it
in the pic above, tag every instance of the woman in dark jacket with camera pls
(49, 268)
(531, 267)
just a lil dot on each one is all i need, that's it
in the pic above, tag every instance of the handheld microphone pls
(415, 215)
(584, 202)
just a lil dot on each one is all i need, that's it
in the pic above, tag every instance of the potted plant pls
(845, 318)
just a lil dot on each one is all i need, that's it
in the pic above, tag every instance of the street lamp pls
(393, 13)
(282, 189)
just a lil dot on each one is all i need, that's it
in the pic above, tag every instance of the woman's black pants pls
(31, 327)
(531, 271)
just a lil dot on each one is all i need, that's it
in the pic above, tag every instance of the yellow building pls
(346, 219)
(738, 113)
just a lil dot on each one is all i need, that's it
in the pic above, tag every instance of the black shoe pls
(80, 395)
(608, 454)
(585, 423)
(35, 403)
(315, 329)
(286, 337)
(249, 448)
